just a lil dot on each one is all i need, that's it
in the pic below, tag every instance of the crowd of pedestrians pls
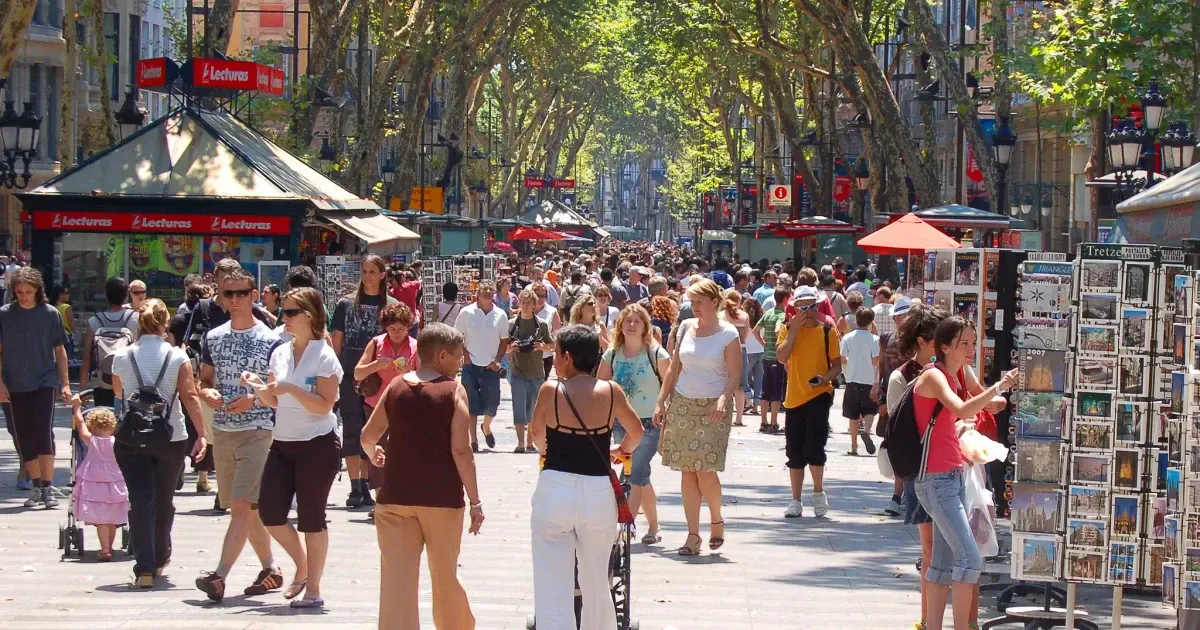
(625, 352)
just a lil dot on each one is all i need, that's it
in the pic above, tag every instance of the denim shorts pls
(483, 389)
(640, 476)
(956, 556)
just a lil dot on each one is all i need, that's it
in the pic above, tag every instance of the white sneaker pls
(820, 504)
(795, 509)
(894, 508)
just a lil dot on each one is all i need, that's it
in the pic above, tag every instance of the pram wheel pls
(78, 535)
(125, 538)
(62, 536)
(620, 577)
(530, 623)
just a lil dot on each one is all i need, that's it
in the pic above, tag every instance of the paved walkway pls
(852, 569)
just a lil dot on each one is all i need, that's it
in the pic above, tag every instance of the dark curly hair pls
(921, 323)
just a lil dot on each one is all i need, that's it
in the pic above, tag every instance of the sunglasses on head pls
(232, 293)
(292, 312)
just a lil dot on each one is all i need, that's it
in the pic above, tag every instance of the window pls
(135, 46)
(145, 41)
(271, 16)
(52, 115)
(112, 49)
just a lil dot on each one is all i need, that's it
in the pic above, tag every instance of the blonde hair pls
(437, 337)
(634, 310)
(733, 300)
(99, 418)
(310, 300)
(153, 317)
(705, 288)
(527, 294)
(137, 284)
(603, 291)
(577, 309)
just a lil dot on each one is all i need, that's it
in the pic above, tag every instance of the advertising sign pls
(535, 182)
(780, 196)
(841, 188)
(160, 223)
(152, 73)
(563, 183)
(223, 74)
(430, 199)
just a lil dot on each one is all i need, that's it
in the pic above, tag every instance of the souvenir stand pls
(1180, 523)
(337, 276)
(1089, 502)
(466, 271)
(963, 281)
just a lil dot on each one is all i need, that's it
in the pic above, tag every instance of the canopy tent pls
(1163, 214)
(553, 213)
(1138, 180)
(529, 233)
(575, 239)
(370, 227)
(620, 229)
(907, 234)
(811, 226)
(960, 217)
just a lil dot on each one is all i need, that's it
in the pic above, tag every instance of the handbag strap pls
(137, 372)
(586, 431)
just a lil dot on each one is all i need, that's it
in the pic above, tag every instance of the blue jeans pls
(524, 395)
(752, 370)
(956, 556)
(483, 389)
(640, 474)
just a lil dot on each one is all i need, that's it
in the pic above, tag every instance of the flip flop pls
(651, 538)
(294, 590)
(307, 603)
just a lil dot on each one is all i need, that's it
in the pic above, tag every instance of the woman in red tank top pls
(940, 488)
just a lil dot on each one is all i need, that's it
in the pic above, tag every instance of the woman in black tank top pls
(574, 508)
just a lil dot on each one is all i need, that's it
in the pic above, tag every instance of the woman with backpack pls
(152, 371)
(939, 400)
(637, 363)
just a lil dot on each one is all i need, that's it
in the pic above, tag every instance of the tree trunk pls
(66, 130)
(1095, 169)
(325, 60)
(219, 25)
(15, 18)
(96, 14)
(419, 75)
(954, 80)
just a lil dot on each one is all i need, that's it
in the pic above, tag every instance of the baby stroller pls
(70, 534)
(619, 569)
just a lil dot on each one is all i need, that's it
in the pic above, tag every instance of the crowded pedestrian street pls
(852, 569)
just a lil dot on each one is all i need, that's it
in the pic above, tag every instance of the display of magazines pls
(1036, 497)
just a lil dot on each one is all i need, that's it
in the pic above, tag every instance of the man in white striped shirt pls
(883, 311)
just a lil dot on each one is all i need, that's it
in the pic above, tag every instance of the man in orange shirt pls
(810, 350)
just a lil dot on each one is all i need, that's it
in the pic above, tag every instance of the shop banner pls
(152, 73)
(162, 223)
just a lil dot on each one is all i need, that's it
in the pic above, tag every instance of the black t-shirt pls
(358, 325)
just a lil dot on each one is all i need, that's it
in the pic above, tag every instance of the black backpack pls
(907, 449)
(146, 419)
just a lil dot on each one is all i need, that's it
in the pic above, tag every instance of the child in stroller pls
(100, 497)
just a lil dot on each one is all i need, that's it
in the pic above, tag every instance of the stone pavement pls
(852, 569)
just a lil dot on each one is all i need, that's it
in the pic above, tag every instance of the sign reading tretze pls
(165, 223)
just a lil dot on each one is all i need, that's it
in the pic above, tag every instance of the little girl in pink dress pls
(100, 495)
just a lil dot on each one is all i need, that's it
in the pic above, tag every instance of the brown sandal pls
(268, 580)
(715, 542)
(689, 549)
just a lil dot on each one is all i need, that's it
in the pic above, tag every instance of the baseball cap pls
(902, 305)
(806, 293)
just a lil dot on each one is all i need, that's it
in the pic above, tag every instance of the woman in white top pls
(605, 312)
(152, 472)
(706, 360)
(548, 314)
(586, 312)
(302, 385)
(753, 369)
(731, 311)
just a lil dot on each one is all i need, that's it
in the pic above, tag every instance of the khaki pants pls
(403, 532)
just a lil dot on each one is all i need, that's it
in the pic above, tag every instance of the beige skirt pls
(689, 442)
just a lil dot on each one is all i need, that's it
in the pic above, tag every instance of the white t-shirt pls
(703, 373)
(860, 347)
(483, 332)
(609, 318)
(753, 345)
(294, 422)
(150, 352)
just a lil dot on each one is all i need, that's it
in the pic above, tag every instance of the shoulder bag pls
(624, 514)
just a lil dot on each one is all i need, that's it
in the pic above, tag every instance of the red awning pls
(526, 233)
(906, 234)
(810, 227)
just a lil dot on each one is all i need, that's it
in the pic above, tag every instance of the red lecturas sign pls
(152, 72)
(163, 223)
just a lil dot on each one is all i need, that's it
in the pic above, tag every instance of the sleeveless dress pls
(100, 496)
(401, 362)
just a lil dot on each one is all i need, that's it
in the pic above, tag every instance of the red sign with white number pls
(535, 182)
(974, 173)
(276, 88)
(563, 183)
(222, 74)
(161, 223)
(152, 72)
(841, 188)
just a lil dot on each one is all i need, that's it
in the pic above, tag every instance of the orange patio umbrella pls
(907, 234)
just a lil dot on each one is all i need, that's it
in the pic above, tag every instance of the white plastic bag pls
(981, 512)
(979, 449)
(885, 464)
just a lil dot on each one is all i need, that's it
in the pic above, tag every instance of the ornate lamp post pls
(327, 155)
(18, 139)
(1178, 147)
(130, 117)
(1003, 141)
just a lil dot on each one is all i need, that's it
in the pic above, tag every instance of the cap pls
(640, 270)
(902, 305)
(807, 293)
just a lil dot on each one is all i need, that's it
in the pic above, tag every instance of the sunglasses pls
(137, 293)
(292, 312)
(232, 293)
(804, 309)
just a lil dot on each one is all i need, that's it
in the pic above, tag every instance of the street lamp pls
(1154, 105)
(18, 138)
(862, 174)
(388, 173)
(327, 156)
(130, 117)
(1179, 146)
(1003, 141)
(1124, 150)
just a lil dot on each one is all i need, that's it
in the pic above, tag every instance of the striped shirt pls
(883, 318)
(770, 323)
(151, 351)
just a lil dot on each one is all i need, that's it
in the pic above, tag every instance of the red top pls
(824, 312)
(407, 293)
(419, 469)
(945, 454)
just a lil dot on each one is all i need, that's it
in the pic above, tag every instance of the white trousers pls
(573, 516)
